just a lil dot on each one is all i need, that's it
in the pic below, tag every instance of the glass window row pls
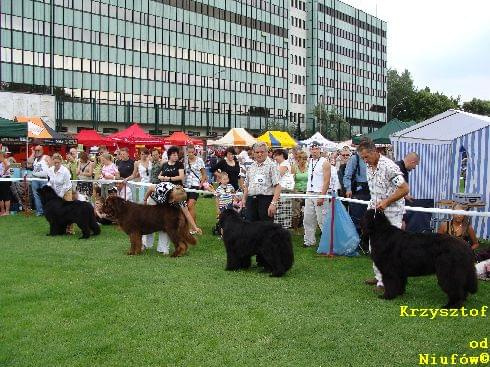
(351, 20)
(86, 35)
(352, 70)
(351, 53)
(297, 98)
(121, 70)
(297, 22)
(266, 6)
(352, 37)
(134, 16)
(299, 4)
(351, 87)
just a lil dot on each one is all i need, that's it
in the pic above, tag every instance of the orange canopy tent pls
(37, 129)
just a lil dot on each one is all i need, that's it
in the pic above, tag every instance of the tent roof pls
(11, 129)
(135, 135)
(235, 137)
(382, 135)
(278, 139)
(92, 137)
(443, 128)
(180, 138)
(320, 139)
(38, 129)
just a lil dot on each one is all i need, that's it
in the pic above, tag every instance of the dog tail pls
(472, 281)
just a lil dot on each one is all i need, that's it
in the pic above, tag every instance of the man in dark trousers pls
(406, 165)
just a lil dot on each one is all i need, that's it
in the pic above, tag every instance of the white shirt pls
(383, 180)
(315, 174)
(144, 172)
(40, 167)
(287, 179)
(125, 194)
(243, 156)
(193, 172)
(60, 180)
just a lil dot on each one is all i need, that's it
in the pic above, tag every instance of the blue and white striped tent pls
(440, 141)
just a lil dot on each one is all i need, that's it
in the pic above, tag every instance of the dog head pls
(46, 193)
(113, 206)
(226, 215)
(373, 221)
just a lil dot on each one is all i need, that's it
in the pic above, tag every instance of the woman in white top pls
(287, 179)
(4, 186)
(142, 170)
(59, 178)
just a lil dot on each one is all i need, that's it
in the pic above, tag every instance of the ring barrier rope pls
(283, 195)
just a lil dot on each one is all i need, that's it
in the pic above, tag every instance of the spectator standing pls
(85, 171)
(4, 185)
(40, 166)
(172, 170)
(300, 172)
(141, 171)
(195, 177)
(387, 188)
(72, 163)
(156, 165)
(230, 165)
(406, 165)
(286, 177)
(356, 187)
(125, 165)
(319, 173)
(342, 162)
(261, 189)
(109, 170)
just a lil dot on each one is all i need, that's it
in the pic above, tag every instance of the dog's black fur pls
(61, 213)
(399, 254)
(268, 241)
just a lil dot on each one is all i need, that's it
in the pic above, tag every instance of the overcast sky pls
(445, 44)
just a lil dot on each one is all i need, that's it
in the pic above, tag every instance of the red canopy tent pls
(135, 135)
(180, 138)
(91, 137)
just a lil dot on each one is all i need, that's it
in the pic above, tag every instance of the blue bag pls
(345, 239)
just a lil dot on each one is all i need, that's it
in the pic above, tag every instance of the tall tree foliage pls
(478, 106)
(406, 102)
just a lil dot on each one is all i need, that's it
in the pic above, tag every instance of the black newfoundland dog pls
(60, 213)
(268, 241)
(399, 254)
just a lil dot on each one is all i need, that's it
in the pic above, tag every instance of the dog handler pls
(168, 193)
(261, 189)
(388, 189)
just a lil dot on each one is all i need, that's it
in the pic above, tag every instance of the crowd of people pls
(258, 175)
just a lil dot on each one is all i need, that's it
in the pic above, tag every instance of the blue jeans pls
(37, 200)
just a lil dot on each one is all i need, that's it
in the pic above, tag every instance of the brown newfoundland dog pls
(138, 219)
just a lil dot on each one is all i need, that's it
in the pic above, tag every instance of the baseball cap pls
(315, 144)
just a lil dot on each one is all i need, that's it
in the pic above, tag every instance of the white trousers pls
(163, 240)
(396, 220)
(314, 216)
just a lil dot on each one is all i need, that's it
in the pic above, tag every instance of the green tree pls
(406, 102)
(330, 123)
(400, 90)
(478, 106)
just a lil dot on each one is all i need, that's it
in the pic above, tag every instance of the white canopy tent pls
(325, 143)
(441, 142)
(236, 137)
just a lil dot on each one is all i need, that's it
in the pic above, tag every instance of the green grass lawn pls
(70, 302)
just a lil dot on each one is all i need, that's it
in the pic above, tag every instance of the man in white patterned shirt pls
(387, 188)
(261, 189)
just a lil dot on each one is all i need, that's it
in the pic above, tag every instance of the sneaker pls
(372, 281)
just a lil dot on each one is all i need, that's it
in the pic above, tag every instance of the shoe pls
(372, 281)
